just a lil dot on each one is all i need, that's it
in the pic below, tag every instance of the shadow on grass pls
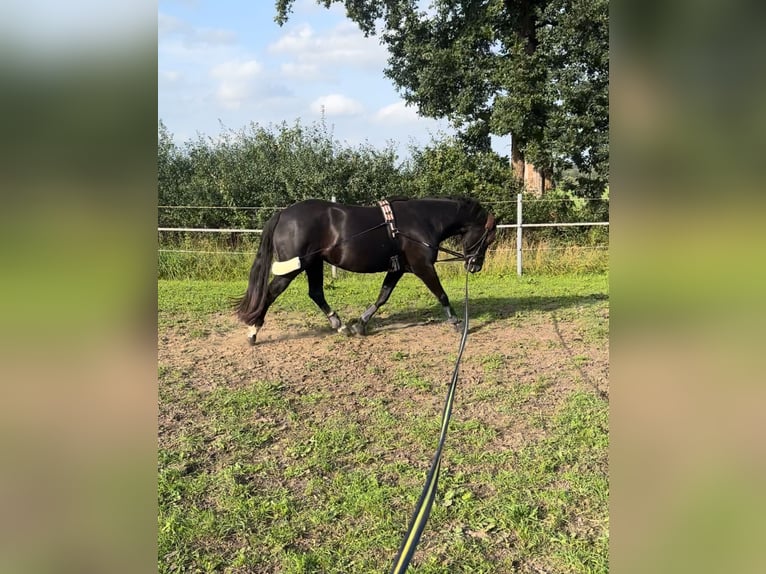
(488, 309)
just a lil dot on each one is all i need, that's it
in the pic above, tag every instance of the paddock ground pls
(306, 452)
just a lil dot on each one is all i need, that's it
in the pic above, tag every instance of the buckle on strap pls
(388, 217)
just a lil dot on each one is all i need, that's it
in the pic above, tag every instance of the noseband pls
(471, 255)
(474, 250)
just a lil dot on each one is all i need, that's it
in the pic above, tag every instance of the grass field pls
(307, 452)
(215, 259)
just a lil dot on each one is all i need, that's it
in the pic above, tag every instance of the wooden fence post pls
(518, 234)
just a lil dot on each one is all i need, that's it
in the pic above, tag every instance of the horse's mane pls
(472, 206)
(468, 205)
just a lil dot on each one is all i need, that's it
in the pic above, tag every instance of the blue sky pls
(228, 62)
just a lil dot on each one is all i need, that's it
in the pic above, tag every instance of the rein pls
(456, 256)
(423, 507)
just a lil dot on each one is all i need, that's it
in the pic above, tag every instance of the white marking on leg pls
(335, 321)
(252, 331)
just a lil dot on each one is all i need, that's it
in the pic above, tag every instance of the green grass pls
(258, 478)
(213, 258)
(491, 295)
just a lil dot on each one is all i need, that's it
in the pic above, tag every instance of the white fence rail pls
(519, 226)
(208, 230)
(501, 226)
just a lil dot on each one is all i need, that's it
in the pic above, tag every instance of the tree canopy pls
(537, 70)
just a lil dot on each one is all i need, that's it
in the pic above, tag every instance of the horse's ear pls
(490, 222)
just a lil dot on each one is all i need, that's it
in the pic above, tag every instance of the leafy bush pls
(240, 178)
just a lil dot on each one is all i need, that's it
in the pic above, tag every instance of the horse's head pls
(477, 237)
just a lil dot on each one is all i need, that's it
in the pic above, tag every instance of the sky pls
(227, 62)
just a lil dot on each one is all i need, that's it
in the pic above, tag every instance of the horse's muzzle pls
(473, 266)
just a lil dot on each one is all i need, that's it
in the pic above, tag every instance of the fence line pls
(243, 208)
(206, 252)
(501, 226)
(543, 199)
(258, 207)
(574, 224)
(208, 230)
(519, 226)
(549, 248)
(491, 250)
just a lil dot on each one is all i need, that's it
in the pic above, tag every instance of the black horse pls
(398, 236)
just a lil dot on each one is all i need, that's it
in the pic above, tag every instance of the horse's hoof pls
(359, 328)
(251, 340)
(344, 330)
(457, 325)
(335, 322)
(252, 333)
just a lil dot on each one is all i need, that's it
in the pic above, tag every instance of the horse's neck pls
(451, 220)
(454, 221)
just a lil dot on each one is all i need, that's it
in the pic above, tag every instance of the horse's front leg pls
(389, 282)
(428, 275)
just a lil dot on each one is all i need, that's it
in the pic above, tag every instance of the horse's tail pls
(251, 305)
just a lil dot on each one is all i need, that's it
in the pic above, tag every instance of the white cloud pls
(300, 71)
(237, 69)
(336, 105)
(236, 81)
(297, 40)
(344, 45)
(398, 113)
(170, 27)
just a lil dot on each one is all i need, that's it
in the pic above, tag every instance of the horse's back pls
(313, 215)
(349, 236)
(306, 206)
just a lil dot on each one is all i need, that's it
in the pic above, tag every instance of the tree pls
(173, 173)
(537, 70)
(445, 168)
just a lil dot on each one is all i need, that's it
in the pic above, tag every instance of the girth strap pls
(388, 217)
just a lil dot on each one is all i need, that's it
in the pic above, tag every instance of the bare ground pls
(554, 355)
(518, 368)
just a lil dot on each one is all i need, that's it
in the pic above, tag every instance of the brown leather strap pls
(388, 216)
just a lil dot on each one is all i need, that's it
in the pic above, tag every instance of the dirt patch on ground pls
(406, 364)
(274, 453)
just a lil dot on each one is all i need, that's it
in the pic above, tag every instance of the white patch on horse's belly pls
(285, 267)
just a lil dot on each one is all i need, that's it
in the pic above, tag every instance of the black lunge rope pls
(423, 507)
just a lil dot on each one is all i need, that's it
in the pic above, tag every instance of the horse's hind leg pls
(389, 282)
(278, 284)
(316, 291)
